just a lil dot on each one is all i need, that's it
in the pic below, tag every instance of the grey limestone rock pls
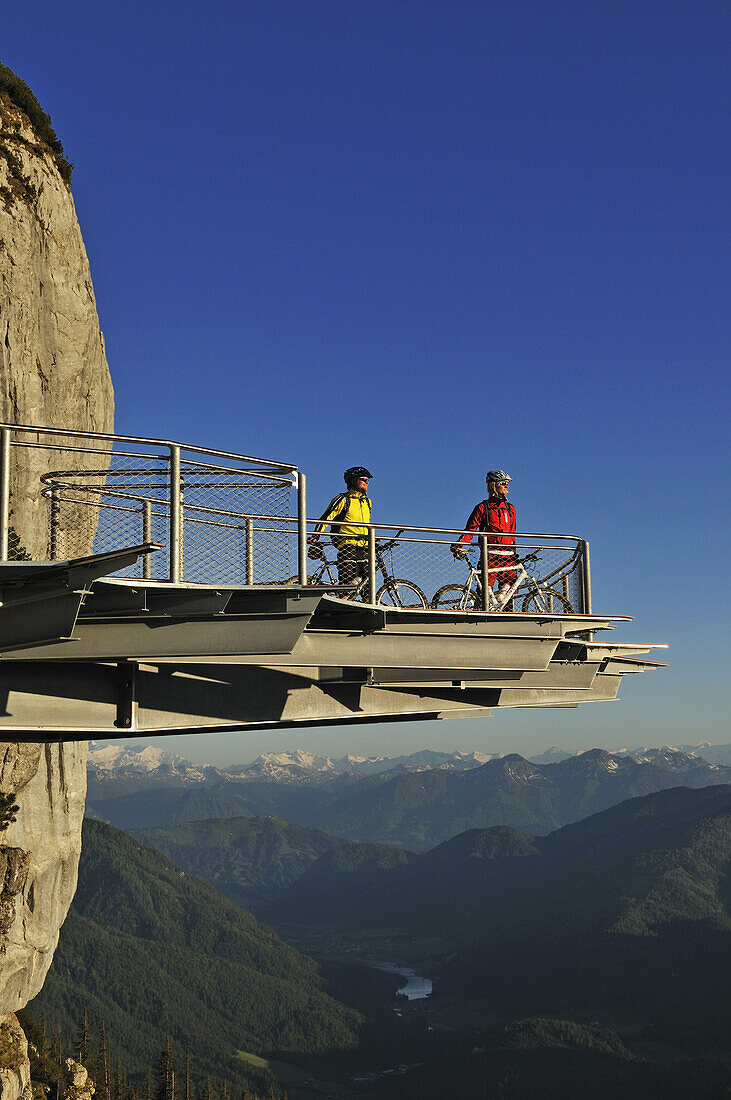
(53, 367)
(79, 1085)
(15, 1083)
(53, 373)
(39, 859)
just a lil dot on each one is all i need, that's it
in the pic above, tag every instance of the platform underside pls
(83, 653)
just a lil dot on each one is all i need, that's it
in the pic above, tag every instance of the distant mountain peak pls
(108, 757)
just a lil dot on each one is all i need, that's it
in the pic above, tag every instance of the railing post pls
(586, 577)
(55, 523)
(484, 573)
(147, 537)
(372, 564)
(249, 551)
(302, 527)
(5, 494)
(175, 516)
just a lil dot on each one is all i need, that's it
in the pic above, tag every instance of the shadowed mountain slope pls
(156, 952)
(249, 859)
(648, 861)
(624, 918)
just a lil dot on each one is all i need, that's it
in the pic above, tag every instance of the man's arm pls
(472, 524)
(335, 508)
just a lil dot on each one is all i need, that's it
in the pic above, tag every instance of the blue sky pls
(433, 238)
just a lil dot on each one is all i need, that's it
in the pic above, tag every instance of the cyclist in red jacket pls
(497, 516)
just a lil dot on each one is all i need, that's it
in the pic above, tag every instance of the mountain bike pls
(537, 595)
(394, 592)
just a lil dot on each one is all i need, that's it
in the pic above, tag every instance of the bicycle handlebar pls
(389, 542)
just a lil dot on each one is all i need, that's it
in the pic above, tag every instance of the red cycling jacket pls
(494, 516)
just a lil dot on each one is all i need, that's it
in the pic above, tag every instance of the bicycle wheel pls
(318, 578)
(400, 593)
(554, 602)
(454, 597)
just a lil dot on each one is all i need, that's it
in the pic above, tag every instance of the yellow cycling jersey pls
(345, 513)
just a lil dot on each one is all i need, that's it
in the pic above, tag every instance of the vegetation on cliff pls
(21, 95)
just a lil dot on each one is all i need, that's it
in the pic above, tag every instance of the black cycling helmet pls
(497, 475)
(354, 472)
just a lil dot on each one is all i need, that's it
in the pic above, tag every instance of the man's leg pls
(361, 567)
(347, 570)
(509, 578)
(503, 577)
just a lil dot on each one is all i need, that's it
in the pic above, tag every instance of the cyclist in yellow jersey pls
(345, 515)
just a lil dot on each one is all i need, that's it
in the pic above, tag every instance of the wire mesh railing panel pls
(223, 528)
(233, 525)
(129, 503)
(545, 576)
(220, 518)
(418, 570)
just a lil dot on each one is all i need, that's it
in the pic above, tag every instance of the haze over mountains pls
(406, 802)
(606, 873)
(113, 761)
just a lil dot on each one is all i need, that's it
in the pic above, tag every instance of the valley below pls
(594, 954)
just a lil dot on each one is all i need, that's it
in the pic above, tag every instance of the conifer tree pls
(43, 1043)
(118, 1083)
(83, 1041)
(166, 1073)
(149, 1091)
(103, 1070)
(225, 1092)
(187, 1069)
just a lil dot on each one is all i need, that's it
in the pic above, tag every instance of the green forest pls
(155, 952)
(595, 958)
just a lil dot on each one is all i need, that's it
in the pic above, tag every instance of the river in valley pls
(415, 987)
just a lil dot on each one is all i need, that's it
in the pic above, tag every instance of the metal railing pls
(422, 558)
(225, 518)
(67, 493)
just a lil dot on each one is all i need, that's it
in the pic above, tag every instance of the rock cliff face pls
(53, 373)
(39, 858)
(15, 1083)
(53, 368)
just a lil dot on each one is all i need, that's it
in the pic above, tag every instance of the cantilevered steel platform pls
(83, 651)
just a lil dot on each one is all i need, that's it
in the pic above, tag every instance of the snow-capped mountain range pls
(113, 760)
(112, 763)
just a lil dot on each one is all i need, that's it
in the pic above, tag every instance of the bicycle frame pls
(388, 578)
(498, 601)
(361, 589)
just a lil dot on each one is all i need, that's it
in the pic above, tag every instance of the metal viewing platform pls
(149, 586)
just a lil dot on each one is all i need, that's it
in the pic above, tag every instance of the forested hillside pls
(155, 952)
(630, 869)
(596, 957)
(249, 859)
